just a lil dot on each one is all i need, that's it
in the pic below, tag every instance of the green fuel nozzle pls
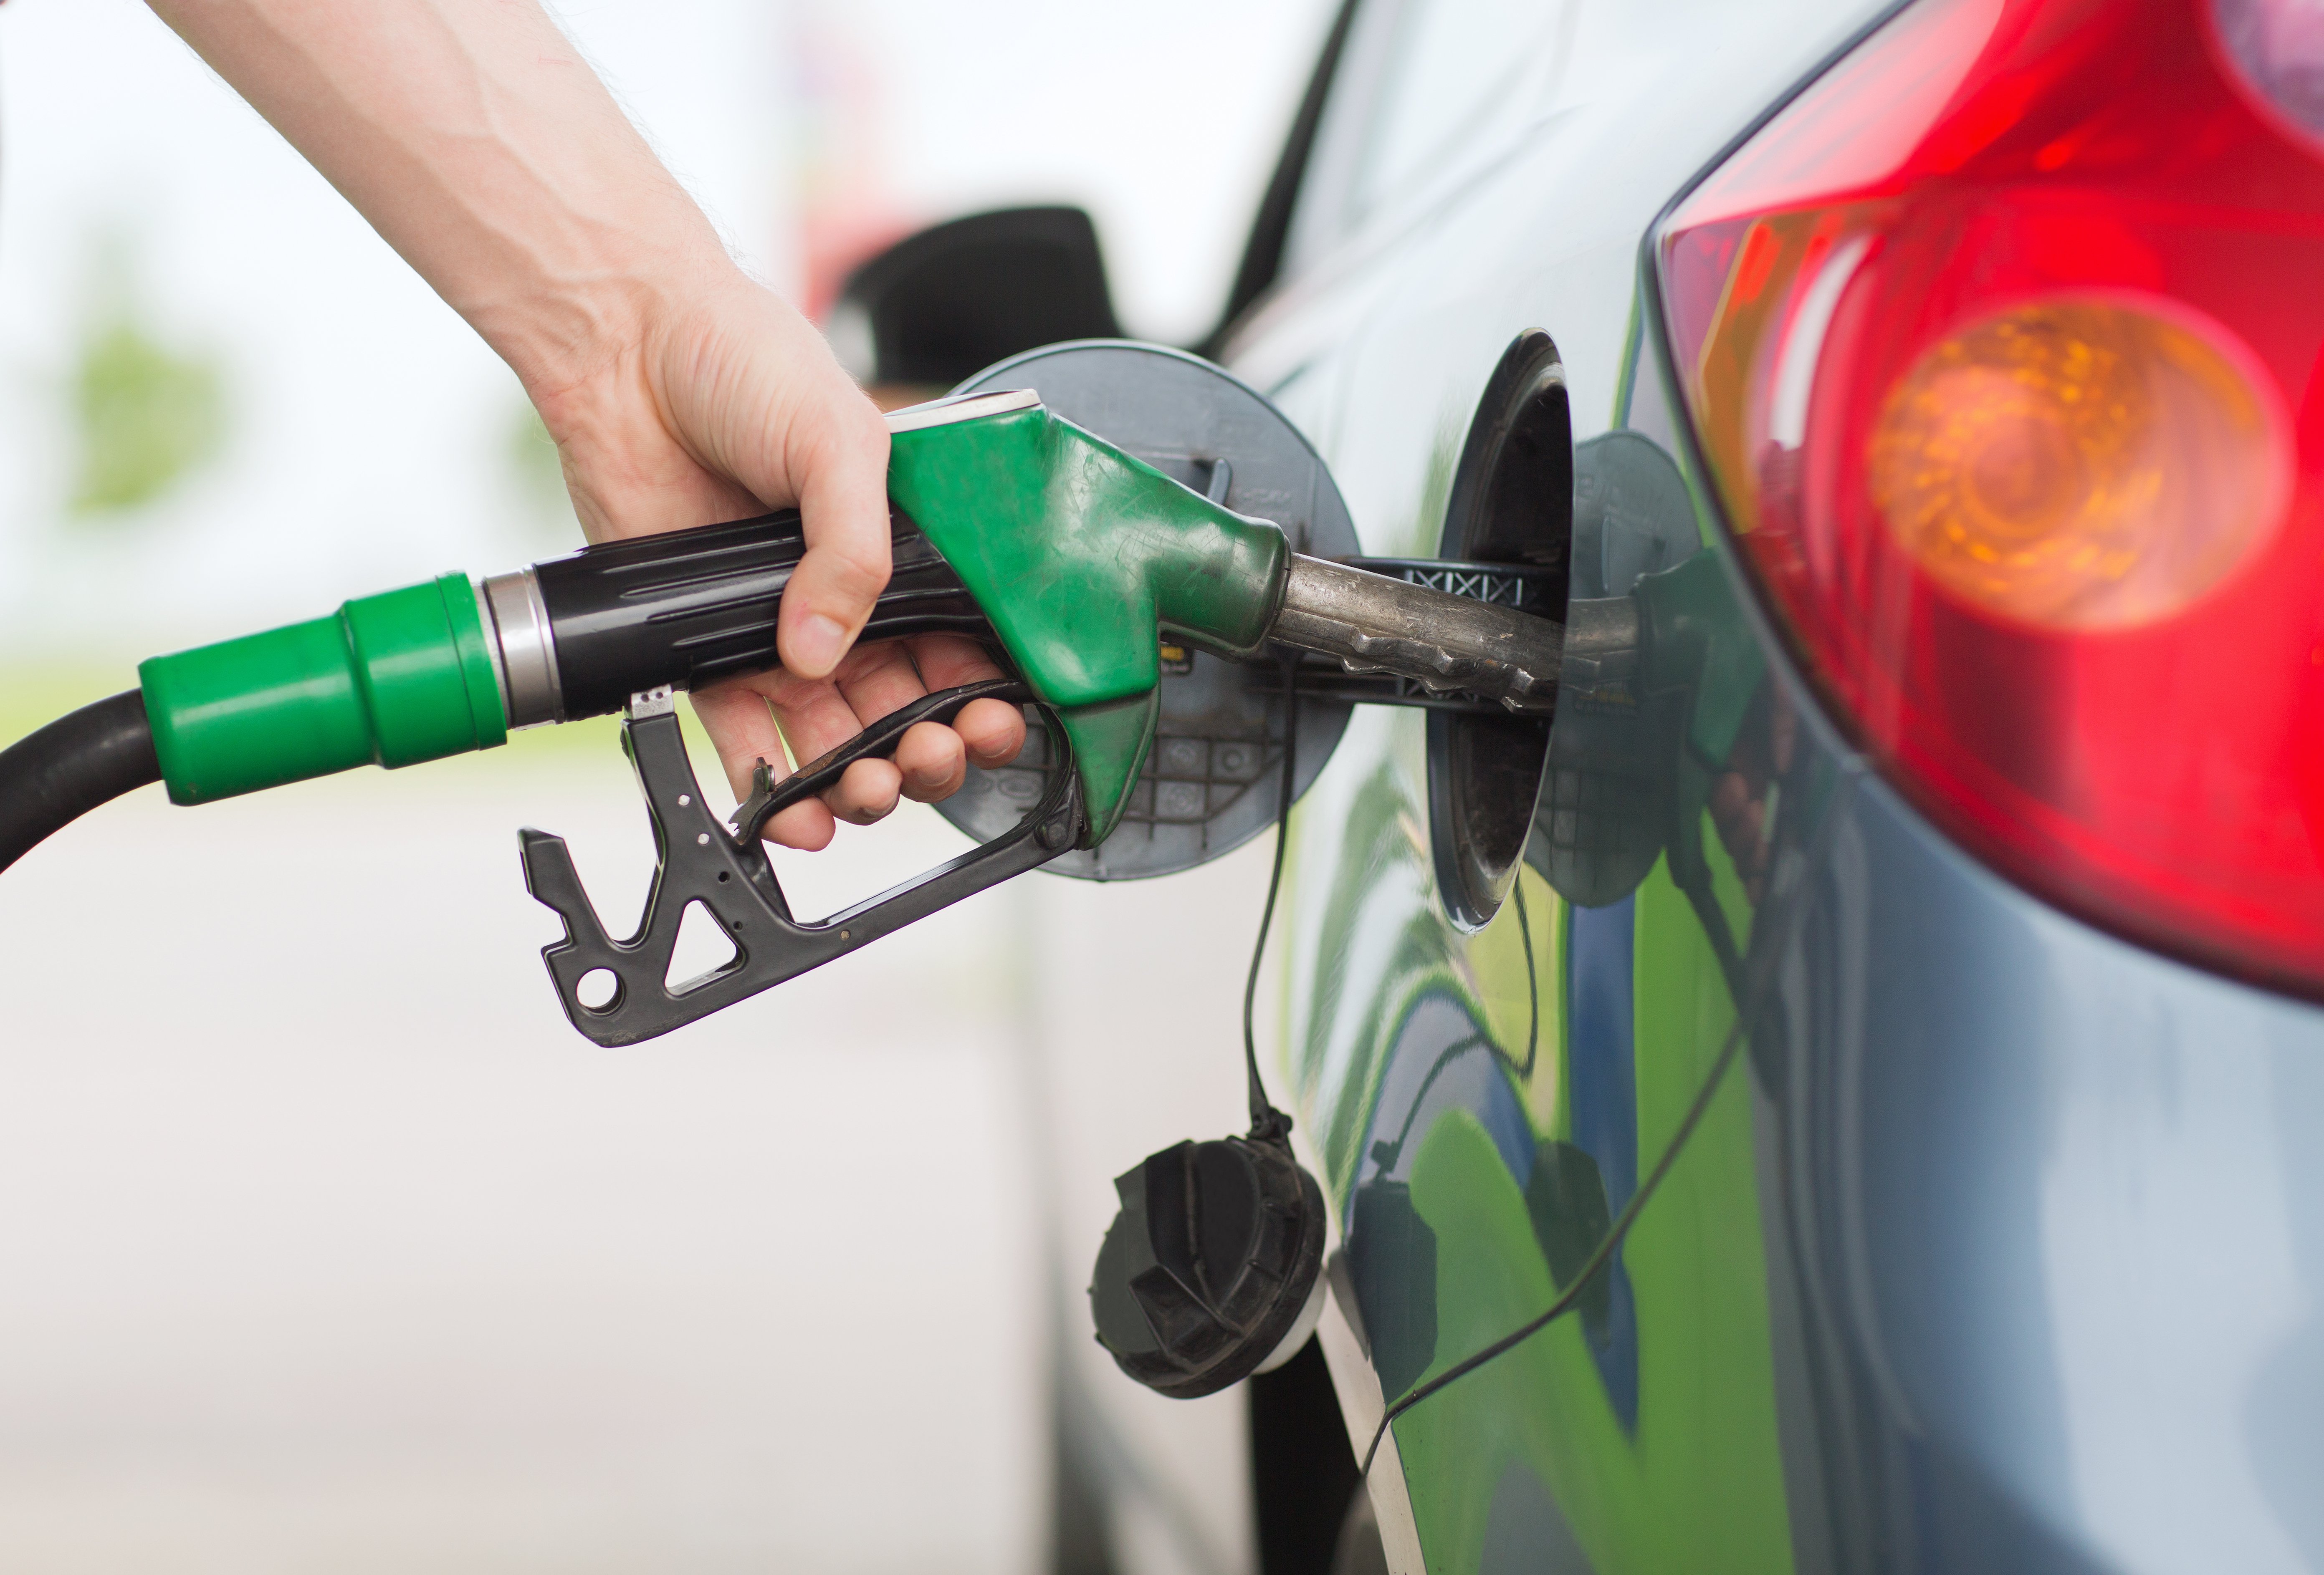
(1072, 561)
(1071, 558)
(1011, 526)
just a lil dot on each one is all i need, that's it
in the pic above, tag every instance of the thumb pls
(752, 390)
(842, 475)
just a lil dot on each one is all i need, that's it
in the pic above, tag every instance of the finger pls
(806, 825)
(867, 792)
(930, 759)
(994, 731)
(843, 489)
(877, 680)
(742, 729)
(819, 715)
(946, 661)
(933, 762)
(817, 718)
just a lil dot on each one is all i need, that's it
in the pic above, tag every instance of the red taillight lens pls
(2001, 345)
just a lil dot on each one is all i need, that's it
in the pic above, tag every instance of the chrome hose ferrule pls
(524, 648)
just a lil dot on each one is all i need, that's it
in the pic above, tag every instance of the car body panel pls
(1994, 1247)
(1482, 1103)
(2047, 1240)
(1921, 1291)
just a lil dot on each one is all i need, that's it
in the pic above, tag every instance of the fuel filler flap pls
(1210, 782)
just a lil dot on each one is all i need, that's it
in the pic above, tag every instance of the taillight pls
(2001, 345)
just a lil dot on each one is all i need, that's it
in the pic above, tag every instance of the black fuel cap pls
(1211, 1270)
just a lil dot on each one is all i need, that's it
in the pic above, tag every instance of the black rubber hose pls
(83, 758)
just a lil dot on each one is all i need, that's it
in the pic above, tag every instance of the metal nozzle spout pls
(1447, 644)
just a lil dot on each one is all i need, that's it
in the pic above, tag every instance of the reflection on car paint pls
(1524, 1530)
(1603, 1096)
(1474, 1179)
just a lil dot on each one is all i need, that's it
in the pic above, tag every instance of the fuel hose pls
(85, 758)
(448, 667)
(451, 665)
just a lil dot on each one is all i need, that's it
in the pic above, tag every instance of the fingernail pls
(815, 645)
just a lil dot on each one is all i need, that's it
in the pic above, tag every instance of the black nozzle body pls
(691, 607)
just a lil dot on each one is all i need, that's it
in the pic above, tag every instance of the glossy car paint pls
(1996, 1248)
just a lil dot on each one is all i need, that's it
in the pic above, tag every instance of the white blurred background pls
(325, 1244)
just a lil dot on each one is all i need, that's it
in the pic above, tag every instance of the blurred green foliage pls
(144, 415)
(34, 695)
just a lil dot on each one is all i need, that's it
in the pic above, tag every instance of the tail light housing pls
(2000, 345)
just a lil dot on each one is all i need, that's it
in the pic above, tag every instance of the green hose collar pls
(392, 680)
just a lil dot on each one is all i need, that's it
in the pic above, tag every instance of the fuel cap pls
(1211, 1270)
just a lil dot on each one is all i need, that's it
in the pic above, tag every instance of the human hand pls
(727, 403)
(483, 149)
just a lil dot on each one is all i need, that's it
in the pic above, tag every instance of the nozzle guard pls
(724, 867)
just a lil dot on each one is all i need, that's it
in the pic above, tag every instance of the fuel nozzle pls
(1072, 560)
(1064, 554)
(449, 665)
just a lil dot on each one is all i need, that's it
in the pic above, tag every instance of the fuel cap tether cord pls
(1268, 1124)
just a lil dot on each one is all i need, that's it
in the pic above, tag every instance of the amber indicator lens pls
(2078, 465)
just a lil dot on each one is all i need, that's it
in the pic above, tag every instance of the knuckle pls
(855, 572)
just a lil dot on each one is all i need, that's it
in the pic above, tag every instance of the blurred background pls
(324, 1243)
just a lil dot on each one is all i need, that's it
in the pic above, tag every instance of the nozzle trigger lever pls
(700, 859)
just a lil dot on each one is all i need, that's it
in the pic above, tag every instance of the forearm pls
(475, 139)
